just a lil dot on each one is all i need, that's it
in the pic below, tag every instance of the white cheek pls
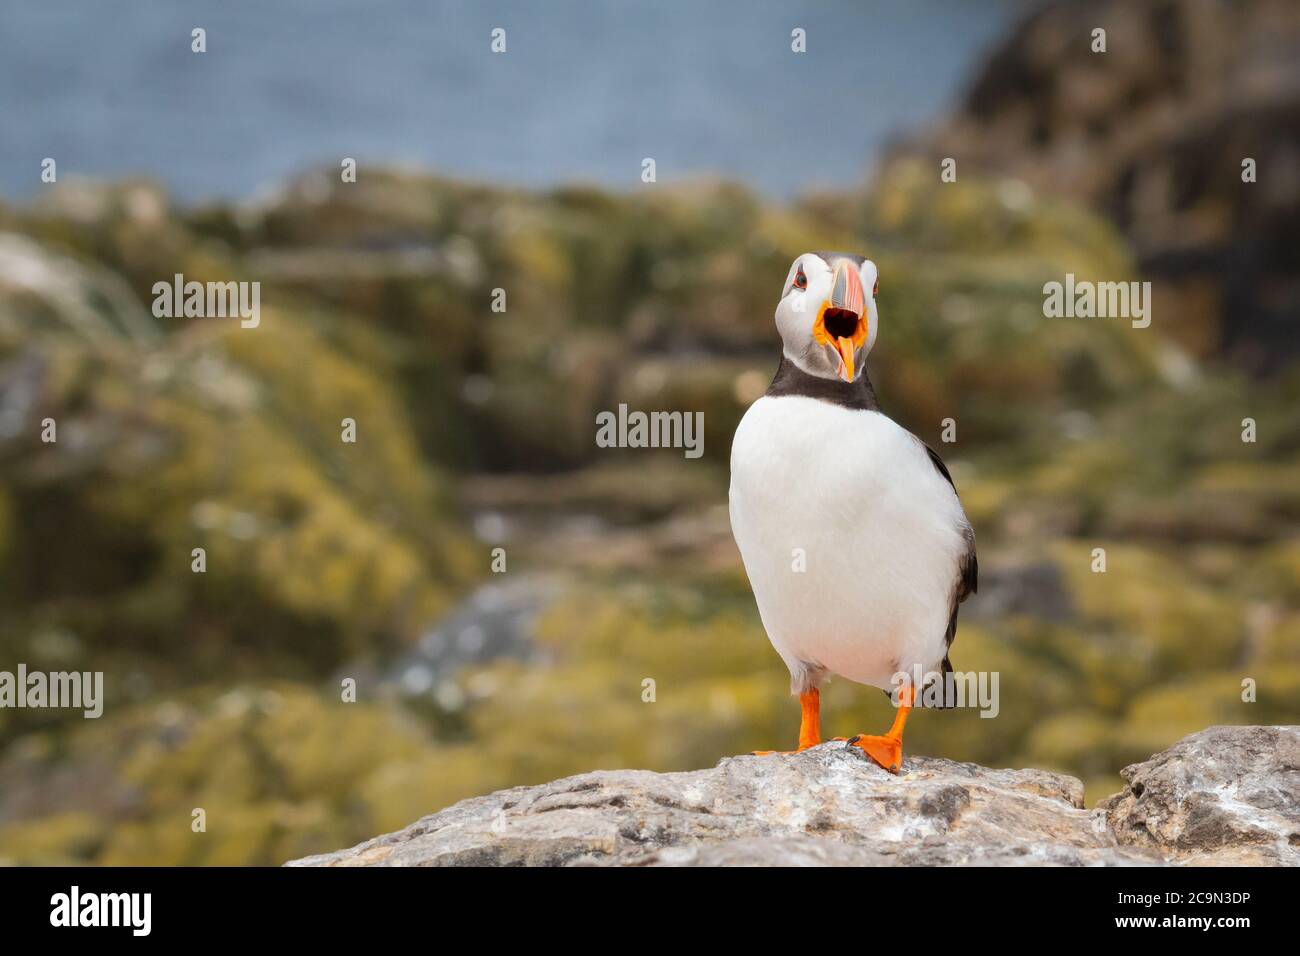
(823, 289)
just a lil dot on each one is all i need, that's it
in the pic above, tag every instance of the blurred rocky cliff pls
(372, 561)
(1153, 133)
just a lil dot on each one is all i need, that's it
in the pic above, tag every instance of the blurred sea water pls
(584, 92)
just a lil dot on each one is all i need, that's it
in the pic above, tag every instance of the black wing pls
(967, 582)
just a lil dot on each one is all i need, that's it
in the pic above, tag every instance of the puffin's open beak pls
(841, 321)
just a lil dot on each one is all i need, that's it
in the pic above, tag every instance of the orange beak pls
(846, 348)
(841, 321)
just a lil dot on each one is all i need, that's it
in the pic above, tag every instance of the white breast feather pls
(882, 531)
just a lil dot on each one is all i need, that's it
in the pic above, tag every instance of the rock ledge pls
(1226, 795)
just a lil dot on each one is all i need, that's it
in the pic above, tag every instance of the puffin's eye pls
(800, 280)
(875, 288)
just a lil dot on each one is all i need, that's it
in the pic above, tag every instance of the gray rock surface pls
(1225, 795)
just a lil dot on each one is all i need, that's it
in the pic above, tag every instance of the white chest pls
(850, 536)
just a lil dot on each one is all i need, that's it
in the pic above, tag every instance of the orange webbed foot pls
(769, 753)
(886, 751)
(810, 728)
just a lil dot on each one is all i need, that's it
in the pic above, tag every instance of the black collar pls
(792, 380)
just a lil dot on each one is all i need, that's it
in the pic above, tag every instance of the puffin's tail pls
(945, 701)
(927, 698)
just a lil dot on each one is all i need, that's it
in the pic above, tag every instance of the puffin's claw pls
(886, 751)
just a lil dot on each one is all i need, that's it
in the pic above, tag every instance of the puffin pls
(849, 526)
